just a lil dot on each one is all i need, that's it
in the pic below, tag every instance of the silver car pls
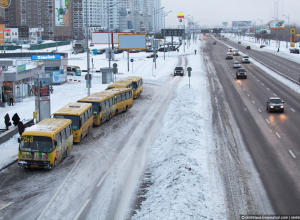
(229, 56)
(236, 53)
(236, 64)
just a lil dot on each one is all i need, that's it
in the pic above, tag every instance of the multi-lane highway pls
(272, 139)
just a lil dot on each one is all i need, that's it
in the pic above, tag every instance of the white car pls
(245, 59)
(236, 53)
(236, 64)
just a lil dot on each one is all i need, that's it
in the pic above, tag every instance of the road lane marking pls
(275, 94)
(293, 110)
(248, 95)
(268, 89)
(292, 154)
(244, 89)
(262, 84)
(259, 110)
(268, 121)
(3, 206)
(82, 208)
(277, 134)
(253, 102)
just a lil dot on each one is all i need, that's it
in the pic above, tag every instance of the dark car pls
(248, 47)
(262, 46)
(275, 104)
(91, 45)
(215, 42)
(292, 50)
(152, 56)
(178, 71)
(100, 51)
(241, 73)
(239, 42)
(297, 51)
(117, 51)
(162, 49)
(149, 50)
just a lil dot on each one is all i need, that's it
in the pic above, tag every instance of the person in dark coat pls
(21, 128)
(16, 119)
(7, 121)
(3, 98)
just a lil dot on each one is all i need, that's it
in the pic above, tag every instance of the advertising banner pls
(61, 12)
(21, 68)
(45, 57)
(56, 76)
(277, 24)
(241, 24)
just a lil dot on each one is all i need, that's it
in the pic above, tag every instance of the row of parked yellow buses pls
(45, 144)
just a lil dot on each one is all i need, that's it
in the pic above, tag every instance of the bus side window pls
(68, 134)
(107, 103)
(123, 96)
(63, 135)
(110, 102)
(119, 98)
(86, 115)
(115, 99)
(58, 139)
(127, 95)
(130, 93)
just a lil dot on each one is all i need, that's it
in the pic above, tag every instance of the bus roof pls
(73, 109)
(72, 66)
(118, 90)
(97, 97)
(119, 84)
(47, 127)
(133, 78)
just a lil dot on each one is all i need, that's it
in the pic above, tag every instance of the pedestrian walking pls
(7, 121)
(15, 119)
(3, 100)
(195, 52)
(11, 98)
(278, 50)
(21, 128)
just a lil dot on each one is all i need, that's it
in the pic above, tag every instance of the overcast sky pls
(217, 11)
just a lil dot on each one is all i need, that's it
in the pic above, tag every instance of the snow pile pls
(182, 182)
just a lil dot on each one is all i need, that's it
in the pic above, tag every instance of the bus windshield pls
(36, 144)
(134, 86)
(74, 118)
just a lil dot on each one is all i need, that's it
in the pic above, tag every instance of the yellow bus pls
(45, 144)
(120, 84)
(103, 104)
(137, 85)
(123, 99)
(81, 115)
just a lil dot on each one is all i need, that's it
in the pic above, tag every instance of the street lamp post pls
(154, 13)
(261, 20)
(108, 34)
(288, 17)
(165, 14)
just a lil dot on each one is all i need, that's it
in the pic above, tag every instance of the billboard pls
(4, 3)
(103, 37)
(62, 13)
(241, 24)
(45, 57)
(225, 23)
(277, 24)
(132, 41)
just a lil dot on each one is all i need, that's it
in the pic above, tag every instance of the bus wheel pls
(117, 112)
(126, 108)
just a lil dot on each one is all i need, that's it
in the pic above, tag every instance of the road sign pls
(131, 60)
(153, 59)
(115, 65)
(292, 30)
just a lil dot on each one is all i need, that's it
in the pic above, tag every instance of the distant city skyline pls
(214, 13)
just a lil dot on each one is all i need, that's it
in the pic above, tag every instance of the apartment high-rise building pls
(54, 16)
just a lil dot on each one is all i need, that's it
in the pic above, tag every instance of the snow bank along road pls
(270, 138)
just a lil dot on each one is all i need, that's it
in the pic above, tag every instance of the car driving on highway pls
(178, 71)
(230, 49)
(229, 56)
(236, 53)
(245, 59)
(236, 64)
(241, 73)
(248, 47)
(275, 104)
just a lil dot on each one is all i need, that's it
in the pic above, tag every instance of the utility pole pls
(87, 51)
